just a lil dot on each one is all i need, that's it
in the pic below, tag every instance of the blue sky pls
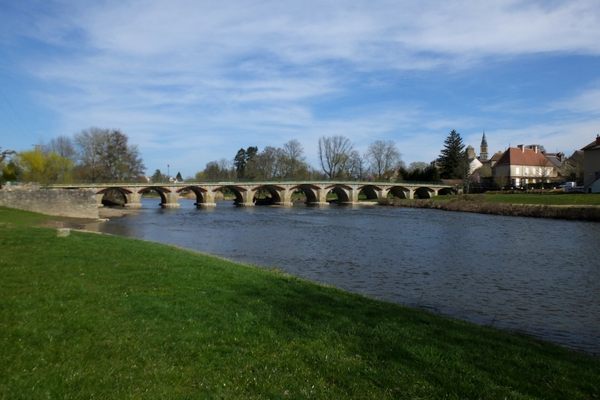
(192, 81)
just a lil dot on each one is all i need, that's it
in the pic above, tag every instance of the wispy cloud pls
(194, 77)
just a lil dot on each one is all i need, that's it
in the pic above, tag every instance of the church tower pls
(483, 155)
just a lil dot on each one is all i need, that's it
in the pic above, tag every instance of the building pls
(591, 166)
(573, 168)
(497, 155)
(483, 154)
(522, 166)
(474, 163)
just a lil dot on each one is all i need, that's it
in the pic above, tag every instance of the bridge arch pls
(238, 191)
(311, 192)
(113, 196)
(161, 191)
(424, 192)
(201, 197)
(446, 191)
(342, 192)
(399, 192)
(369, 192)
(268, 194)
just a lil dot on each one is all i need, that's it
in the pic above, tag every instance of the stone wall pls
(74, 203)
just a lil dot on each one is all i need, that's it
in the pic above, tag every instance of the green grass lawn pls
(547, 199)
(562, 199)
(96, 316)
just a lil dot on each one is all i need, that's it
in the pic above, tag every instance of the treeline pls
(337, 157)
(92, 155)
(104, 155)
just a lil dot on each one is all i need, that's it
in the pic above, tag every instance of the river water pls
(537, 276)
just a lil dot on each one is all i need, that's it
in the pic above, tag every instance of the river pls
(536, 276)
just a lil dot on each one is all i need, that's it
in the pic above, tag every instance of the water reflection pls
(532, 275)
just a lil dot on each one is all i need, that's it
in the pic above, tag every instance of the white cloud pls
(586, 101)
(204, 78)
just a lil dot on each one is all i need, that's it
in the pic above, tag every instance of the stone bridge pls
(275, 193)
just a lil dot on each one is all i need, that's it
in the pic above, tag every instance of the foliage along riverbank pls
(107, 317)
(520, 205)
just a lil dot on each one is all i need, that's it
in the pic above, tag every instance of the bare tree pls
(106, 156)
(334, 153)
(356, 166)
(293, 159)
(61, 145)
(418, 165)
(383, 157)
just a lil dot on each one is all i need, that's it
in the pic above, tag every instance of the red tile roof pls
(517, 156)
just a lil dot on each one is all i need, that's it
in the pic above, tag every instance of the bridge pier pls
(205, 205)
(285, 197)
(171, 200)
(205, 199)
(247, 198)
(99, 198)
(133, 200)
(382, 196)
(321, 198)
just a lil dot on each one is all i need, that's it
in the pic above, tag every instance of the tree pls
(418, 165)
(242, 160)
(356, 166)
(158, 177)
(178, 177)
(419, 171)
(105, 155)
(293, 164)
(9, 170)
(239, 162)
(4, 154)
(267, 165)
(334, 153)
(452, 160)
(63, 146)
(216, 171)
(383, 157)
(44, 168)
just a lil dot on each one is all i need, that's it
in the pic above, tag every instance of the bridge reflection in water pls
(275, 193)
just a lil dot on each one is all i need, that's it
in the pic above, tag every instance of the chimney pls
(522, 147)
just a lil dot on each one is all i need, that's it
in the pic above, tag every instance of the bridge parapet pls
(277, 193)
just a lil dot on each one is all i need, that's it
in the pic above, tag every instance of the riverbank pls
(571, 207)
(108, 317)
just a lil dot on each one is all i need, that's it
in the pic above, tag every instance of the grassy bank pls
(585, 207)
(95, 316)
(556, 198)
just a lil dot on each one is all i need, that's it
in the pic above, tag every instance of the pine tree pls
(452, 158)
(157, 177)
(239, 162)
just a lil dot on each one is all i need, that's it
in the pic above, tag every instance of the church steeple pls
(483, 155)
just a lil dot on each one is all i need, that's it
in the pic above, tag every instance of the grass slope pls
(559, 199)
(94, 316)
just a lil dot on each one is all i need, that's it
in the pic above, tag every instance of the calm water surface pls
(537, 276)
